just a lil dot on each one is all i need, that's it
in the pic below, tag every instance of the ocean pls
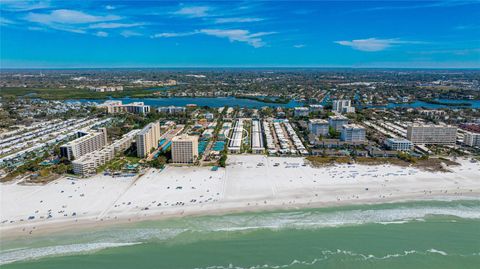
(428, 234)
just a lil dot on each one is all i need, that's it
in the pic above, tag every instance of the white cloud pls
(253, 39)
(237, 20)
(110, 7)
(180, 34)
(128, 33)
(25, 5)
(5, 21)
(194, 12)
(112, 25)
(239, 36)
(299, 46)
(374, 44)
(101, 34)
(67, 16)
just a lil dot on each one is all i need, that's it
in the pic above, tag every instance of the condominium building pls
(184, 149)
(89, 163)
(399, 144)
(336, 122)
(340, 105)
(472, 139)
(118, 107)
(315, 108)
(432, 134)
(236, 139)
(147, 139)
(125, 142)
(318, 127)
(86, 143)
(353, 133)
(257, 138)
(348, 109)
(172, 109)
(301, 112)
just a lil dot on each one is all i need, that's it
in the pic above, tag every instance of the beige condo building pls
(184, 149)
(86, 143)
(147, 139)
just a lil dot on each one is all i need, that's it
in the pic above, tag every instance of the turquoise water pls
(418, 104)
(218, 146)
(200, 101)
(406, 235)
(202, 145)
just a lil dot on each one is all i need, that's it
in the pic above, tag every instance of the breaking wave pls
(10, 256)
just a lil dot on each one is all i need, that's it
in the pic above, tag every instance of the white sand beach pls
(249, 183)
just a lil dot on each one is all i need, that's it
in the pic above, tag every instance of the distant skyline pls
(129, 34)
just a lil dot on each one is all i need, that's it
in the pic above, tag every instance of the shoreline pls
(83, 225)
(242, 187)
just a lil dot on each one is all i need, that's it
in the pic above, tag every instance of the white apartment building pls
(125, 142)
(315, 108)
(432, 134)
(353, 133)
(235, 144)
(184, 149)
(86, 143)
(257, 138)
(399, 144)
(171, 109)
(118, 107)
(339, 105)
(301, 112)
(472, 139)
(89, 163)
(147, 139)
(337, 122)
(348, 109)
(318, 127)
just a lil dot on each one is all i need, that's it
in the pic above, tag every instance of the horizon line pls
(237, 67)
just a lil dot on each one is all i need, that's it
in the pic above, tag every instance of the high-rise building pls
(341, 106)
(318, 127)
(472, 139)
(337, 122)
(399, 144)
(184, 149)
(147, 139)
(432, 134)
(86, 143)
(353, 133)
(88, 163)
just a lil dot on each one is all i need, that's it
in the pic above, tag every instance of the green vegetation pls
(222, 162)
(72, 93)
(333, 133)
(158, 162)
(40, 172)
(424, 163)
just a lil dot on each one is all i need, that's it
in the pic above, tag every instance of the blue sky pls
(69, 34)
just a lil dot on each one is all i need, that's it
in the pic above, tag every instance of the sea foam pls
(10, 256)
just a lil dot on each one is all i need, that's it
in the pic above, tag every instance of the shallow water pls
(431, 234)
